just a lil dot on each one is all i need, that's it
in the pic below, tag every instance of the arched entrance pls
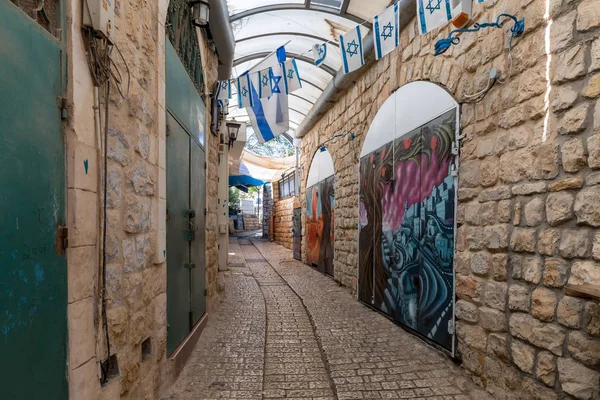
(407, 211)
(320, 201)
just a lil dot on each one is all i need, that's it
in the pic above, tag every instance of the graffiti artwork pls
(319, 225)
(297, 233)
(406, 218)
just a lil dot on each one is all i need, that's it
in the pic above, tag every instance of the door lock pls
(191, 213)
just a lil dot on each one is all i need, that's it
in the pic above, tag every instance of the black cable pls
(104, 223)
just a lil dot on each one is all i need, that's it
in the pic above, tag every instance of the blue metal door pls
(33, 270)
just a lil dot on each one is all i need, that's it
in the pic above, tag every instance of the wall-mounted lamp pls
(323, 148)
(200, 13)
(233, 129)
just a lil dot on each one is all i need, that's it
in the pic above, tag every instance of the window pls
(287, 186)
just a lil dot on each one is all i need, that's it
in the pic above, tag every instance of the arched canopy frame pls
(261, 26)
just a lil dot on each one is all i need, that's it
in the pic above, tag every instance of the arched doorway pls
(407, 211)
(320, 201)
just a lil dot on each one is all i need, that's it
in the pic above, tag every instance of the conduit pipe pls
(342, 81)
(222, 35)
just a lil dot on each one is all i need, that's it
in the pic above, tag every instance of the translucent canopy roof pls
(261, 26)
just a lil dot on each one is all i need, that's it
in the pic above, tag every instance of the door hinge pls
(168, 215)
(451, 327)
(168, 130)
(205, 165)
(62, 239)
(205, 292)
(61, 102)
(205, 211)
(189, 266)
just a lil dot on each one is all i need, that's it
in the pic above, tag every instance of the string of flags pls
(257, 89)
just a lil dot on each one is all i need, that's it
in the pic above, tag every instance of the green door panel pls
(198, 246)
(33, 276)
(178, 294)
(183, 99)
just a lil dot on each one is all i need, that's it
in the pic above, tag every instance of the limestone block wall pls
(283, 212)
(267, 209)
(136, 205)
(529, 185)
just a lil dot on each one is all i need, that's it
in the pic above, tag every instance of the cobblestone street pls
(283, 330)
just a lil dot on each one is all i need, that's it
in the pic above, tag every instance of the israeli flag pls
(319, 53)
(433, 14)
(224, 92)
(270, 115)
(352, 50)
(264, 83)
(244, 91)
(292, 78)
(387, 31)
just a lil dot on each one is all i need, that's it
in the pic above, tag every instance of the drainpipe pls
(342, 81)
(222, 36)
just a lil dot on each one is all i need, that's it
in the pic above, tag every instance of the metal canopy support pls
(344, 7)
(278, 7)
(309, 60)
(312, 84)
(299, 112)
(302, 98)
(307, 35)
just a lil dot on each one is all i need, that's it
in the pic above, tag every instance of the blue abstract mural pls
(406, 217)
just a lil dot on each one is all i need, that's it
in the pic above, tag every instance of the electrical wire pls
(104, 71)
(105, 224)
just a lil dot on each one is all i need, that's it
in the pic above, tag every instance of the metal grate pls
(183, 35)
(44, 12)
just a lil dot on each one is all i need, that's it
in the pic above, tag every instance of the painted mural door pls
(406, 218)
(320, 201)
(297, 233)
(33, 271)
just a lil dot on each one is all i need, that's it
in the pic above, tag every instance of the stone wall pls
(283, 212)
(136, 270)
(528, 212)
(267, 210)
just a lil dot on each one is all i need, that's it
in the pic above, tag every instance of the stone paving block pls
(285, 331)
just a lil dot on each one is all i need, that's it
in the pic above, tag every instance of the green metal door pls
(186, 198)
(178, 196)
(33, 273)
(198, 246)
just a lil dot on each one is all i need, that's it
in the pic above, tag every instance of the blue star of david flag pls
(244, 86)
(265, 88)
(270, 115)
(319, 53)
(292, 77)
(351, 46)
(433, 14)
(224, 91)
(387, 31)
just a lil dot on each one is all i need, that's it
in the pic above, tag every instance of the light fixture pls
(200, 13)
(233, 129)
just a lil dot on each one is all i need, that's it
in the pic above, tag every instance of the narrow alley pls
(299, 199)
(283, 330)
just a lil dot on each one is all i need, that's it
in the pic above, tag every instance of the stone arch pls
(319, 211)
(409, 107)
(407, 203)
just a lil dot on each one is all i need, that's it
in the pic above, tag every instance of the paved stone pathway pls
(283, 330)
